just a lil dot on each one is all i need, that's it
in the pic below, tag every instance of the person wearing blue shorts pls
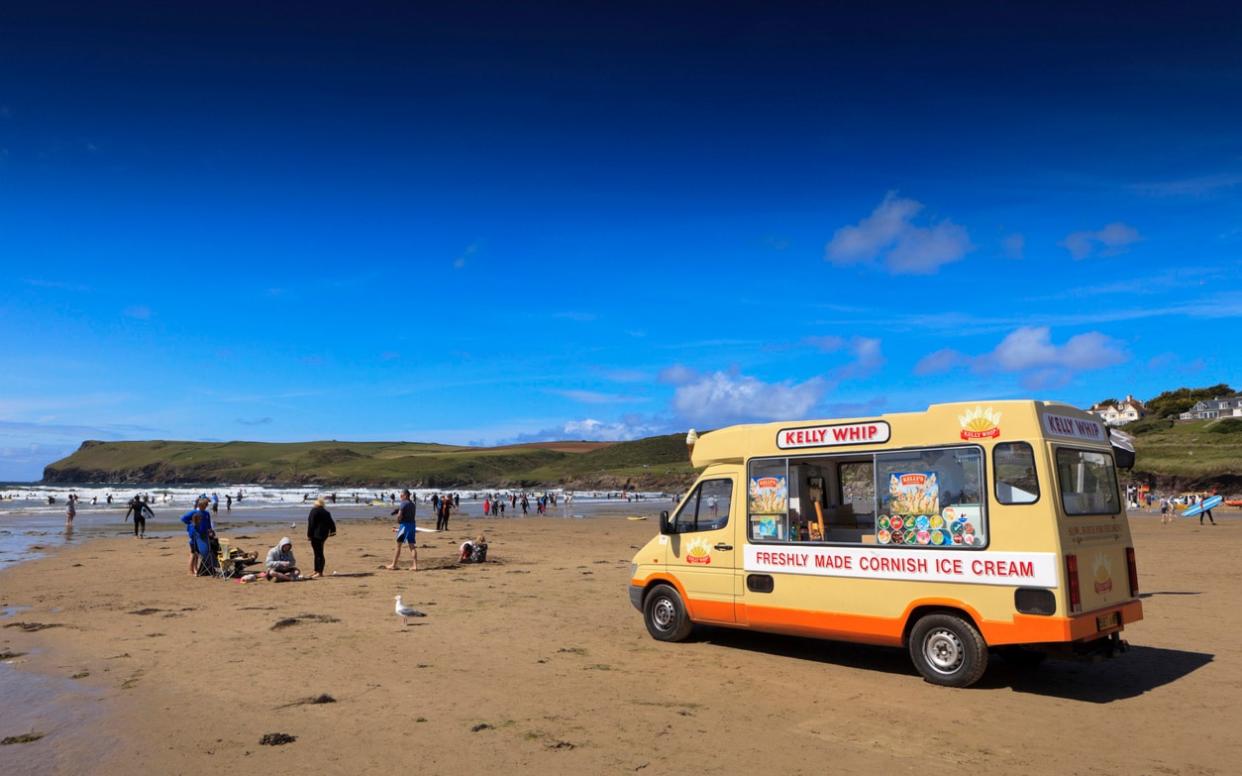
(406, 531)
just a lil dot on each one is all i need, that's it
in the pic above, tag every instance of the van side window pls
(1013, 465)
(932, 498)
(707, 508)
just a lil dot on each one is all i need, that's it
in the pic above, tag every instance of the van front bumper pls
(636, 596)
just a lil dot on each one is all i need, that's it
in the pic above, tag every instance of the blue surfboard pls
(1208, 503)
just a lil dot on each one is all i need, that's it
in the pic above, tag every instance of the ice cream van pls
(959, 532)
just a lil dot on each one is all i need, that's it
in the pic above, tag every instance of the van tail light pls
(1133, 569)
(1071, 576)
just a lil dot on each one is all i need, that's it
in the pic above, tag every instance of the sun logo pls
(1103, 574)
(980, 423)
(697, 551)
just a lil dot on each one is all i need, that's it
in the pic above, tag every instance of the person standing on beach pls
(140, 512)
(447, 504)
(228, 502)
(1201, 498)
(71, 511)
(319, 526)
(406, 531)
(198, 529)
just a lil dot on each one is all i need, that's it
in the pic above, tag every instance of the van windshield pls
(1088, 482)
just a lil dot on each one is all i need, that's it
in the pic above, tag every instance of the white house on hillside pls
(1220, 407)
(1119, 413)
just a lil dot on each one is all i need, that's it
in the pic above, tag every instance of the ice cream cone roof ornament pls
(691, 438)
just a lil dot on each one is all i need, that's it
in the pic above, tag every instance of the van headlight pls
(633, 570)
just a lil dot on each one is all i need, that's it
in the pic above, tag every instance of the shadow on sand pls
(1139, 670)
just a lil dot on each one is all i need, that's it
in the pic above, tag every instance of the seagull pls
(406, 612)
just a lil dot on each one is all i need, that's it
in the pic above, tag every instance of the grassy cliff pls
(1192, 454)
(1182, 455)
(656, 462)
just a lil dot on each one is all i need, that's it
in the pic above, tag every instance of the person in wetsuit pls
(140, 512)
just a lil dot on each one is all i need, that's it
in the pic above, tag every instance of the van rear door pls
(1095, 533)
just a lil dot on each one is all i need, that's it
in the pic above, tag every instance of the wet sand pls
(537, 663)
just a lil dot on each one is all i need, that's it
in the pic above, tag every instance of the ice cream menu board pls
(912, 515)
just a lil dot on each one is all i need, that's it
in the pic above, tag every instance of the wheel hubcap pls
(663, 614)
(943, 650)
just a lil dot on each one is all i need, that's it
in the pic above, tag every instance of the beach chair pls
(233, 560)
(209, 559)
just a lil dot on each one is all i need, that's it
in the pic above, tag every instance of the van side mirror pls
(1123, 448)
(665, 528)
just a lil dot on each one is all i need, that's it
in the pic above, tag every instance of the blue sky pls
(498, 222)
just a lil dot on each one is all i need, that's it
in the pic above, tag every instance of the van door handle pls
(722, 546)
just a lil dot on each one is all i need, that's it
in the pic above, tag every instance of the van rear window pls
(1088, 482)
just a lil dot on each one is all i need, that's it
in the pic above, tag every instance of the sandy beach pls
(537, 663)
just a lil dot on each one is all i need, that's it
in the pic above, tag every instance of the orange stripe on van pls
(888, 631)
(714, 612)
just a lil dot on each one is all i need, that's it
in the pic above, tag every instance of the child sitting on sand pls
(474, 552)
(281, 566)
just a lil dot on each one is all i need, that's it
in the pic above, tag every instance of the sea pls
(32, 516)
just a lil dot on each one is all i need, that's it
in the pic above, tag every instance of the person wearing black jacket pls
(319, 526)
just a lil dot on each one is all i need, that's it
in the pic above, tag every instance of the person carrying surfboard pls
(1207, 511)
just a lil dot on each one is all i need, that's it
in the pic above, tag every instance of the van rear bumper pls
(1039, 629)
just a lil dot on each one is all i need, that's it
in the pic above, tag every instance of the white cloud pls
(1031, 347)
(721, 398)
(890, 233)
(598, 430)
(1110, 240)
(1031, 351)
(594, 430)
(138, 312)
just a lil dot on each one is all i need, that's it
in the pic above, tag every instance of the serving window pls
(932, 498)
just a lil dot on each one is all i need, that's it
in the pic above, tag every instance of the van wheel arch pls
(919, 612)
(674, 624)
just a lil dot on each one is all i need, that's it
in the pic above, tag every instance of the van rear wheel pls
(947, 650)
(665, 615)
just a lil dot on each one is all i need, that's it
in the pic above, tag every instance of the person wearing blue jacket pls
(199, 530)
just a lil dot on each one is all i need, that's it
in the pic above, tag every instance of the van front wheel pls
(665, 615)
(947, 650)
